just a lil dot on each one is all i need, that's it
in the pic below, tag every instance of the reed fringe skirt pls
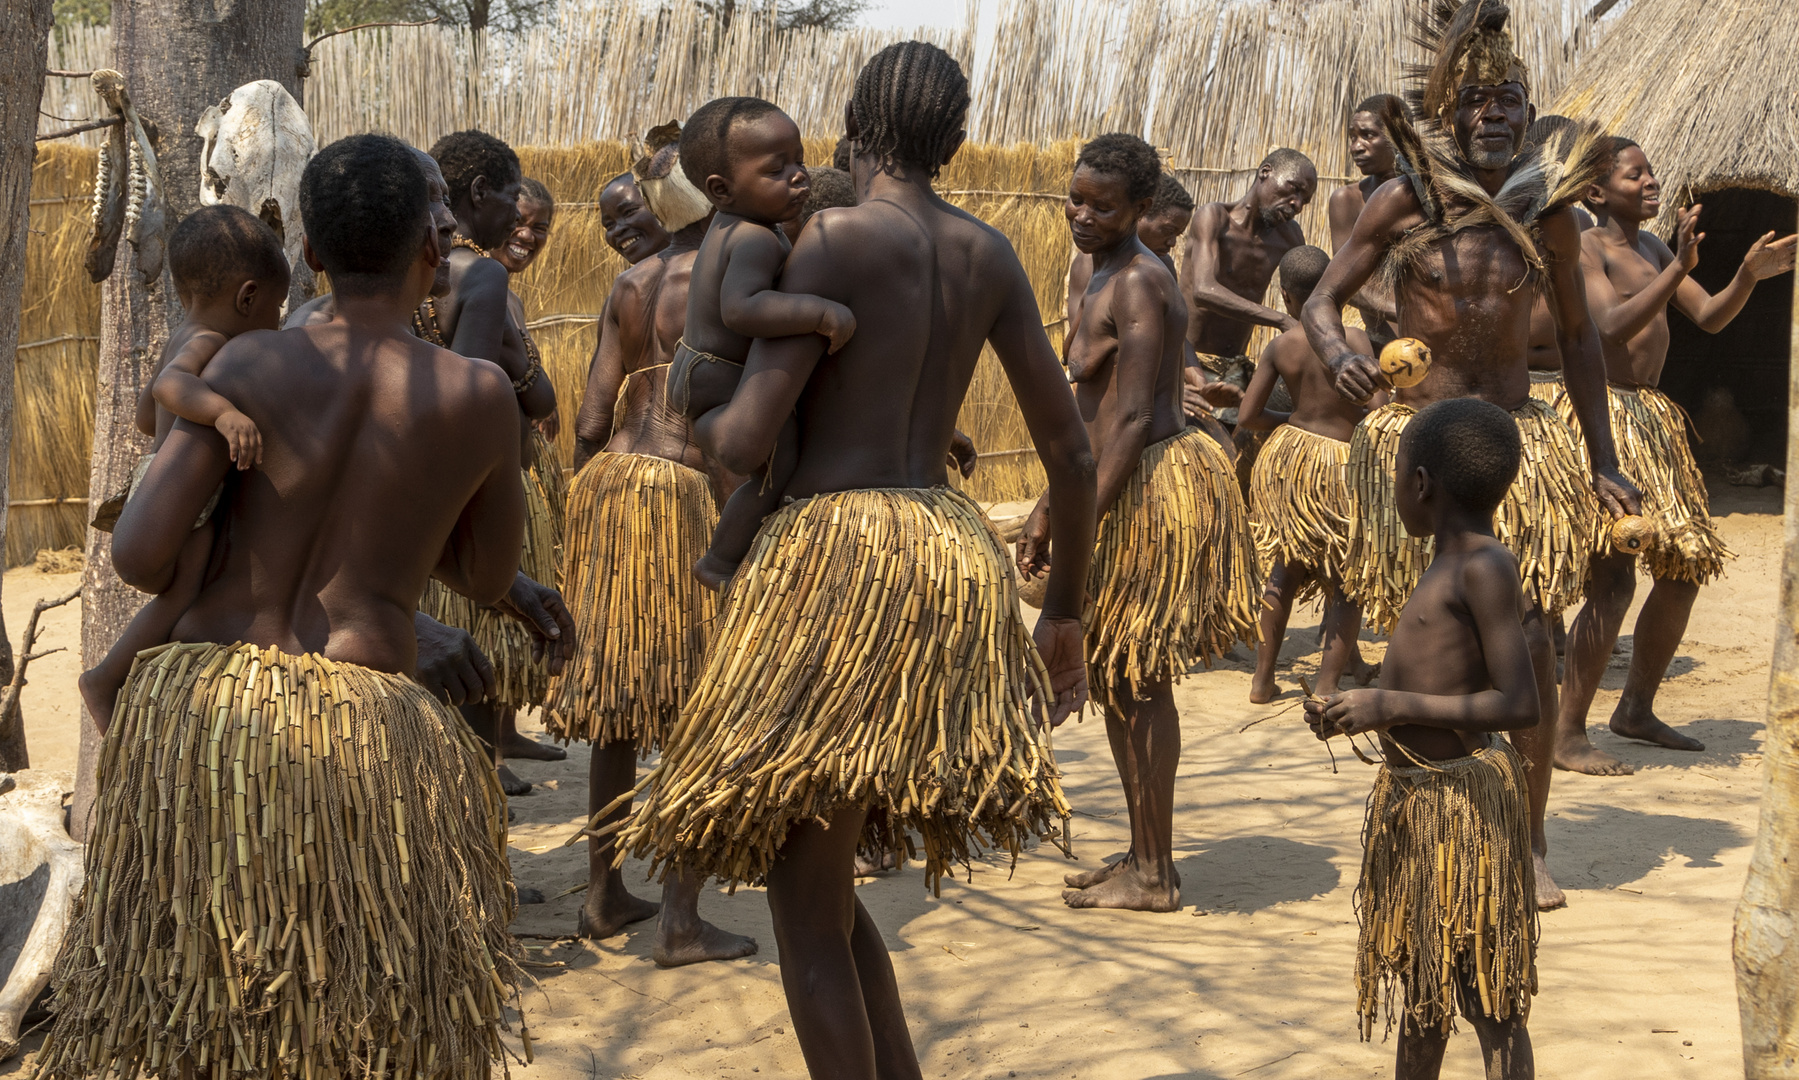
(1174, 578)
(1650, 433)
(521, 682)
(1548, 387)
(870, 651)
(299, 871)
(1299, 505)
(1549, 518)
(641, 618)
(1447, 897)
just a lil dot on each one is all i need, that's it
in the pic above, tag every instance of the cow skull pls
(258, 141)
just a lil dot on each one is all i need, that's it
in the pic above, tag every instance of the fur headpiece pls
(666, 190)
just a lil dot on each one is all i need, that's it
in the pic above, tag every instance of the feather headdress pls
(1471, 47)
(666, 190)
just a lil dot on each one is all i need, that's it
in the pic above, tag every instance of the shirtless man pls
(1371, 148)
(1631, 280)
(1459, 291)
(641, 619)
(1155, 609)
(929, 285)
(304, 632)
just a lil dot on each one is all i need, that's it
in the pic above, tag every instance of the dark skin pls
(1632, 279)
(1318, 408)
(1125, 351)
(631, 230)
(1372, 151)
(1232, 252)
(1458, 668)
(928, 284)
(1469, 305)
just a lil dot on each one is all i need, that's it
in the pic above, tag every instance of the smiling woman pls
(536, 210)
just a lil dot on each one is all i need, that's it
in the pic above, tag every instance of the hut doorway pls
(1735, 383)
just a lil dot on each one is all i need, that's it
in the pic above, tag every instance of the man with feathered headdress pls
(1470, 231)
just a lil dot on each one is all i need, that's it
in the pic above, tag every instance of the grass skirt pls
(252, 904)
(641, 617)
(1548, 520)
(1299, 505)
(870, 651)
(1174, 579)
(521, 682)
(1651, 436)
(1447, 895)
(1547, 387)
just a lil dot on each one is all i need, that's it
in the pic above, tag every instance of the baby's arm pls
(741, 519)
(748, 303)
(180, 390)
(1494, 598)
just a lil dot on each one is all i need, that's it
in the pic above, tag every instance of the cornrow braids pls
(910, 105)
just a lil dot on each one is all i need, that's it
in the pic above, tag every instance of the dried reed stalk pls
(1299, 505)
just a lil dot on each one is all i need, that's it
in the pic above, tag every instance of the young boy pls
(1298, 500)
(745, 155)
(1447, 902)
(231, 275)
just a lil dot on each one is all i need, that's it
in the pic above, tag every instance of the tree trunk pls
(1767, 924)
(22, 51)
(178, 57)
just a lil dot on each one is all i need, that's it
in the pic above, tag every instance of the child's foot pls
(514, 745)
(1549, 894)
(713, 571)
(886, 862)
(607, 916)
(512, 785)
(98, 701)
(1130, 888)
(1646, 727)
(1263, 689)
(1580, 755)
(692, 945)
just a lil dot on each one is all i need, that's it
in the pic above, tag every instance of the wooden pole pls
(1767, 922)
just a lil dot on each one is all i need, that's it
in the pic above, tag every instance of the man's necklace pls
(464, 242)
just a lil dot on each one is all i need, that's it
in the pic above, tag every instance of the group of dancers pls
(768, 581)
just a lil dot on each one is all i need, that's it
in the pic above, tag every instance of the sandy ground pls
(1252, 976)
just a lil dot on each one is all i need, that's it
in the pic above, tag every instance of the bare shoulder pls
(1561, 234)
(483, 278)
(1392, 209)
(1655, 249)
(1348, 197)
(1144, 273)
(1489, 574)
(1212, 219)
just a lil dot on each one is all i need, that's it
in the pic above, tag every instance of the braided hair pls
(910, 104)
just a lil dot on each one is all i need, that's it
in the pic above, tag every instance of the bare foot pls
(512, 785)
(867, 867)
(1549, 894)
(713, 572)
(1580, 755)
(1262, 691)
(98, 702)
(1363, 673)
(1090, 878)
(1647, 727)
(612, 913)
(514, 745)
(677, 948)
(1131, 889)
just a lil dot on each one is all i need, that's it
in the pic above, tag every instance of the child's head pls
(1630, 190)
(1113, 186)
(366, 206)
(831, 188)
(1168, 216)
(1456, 456)
(1301, 267)
(746, 155)
(229, 269)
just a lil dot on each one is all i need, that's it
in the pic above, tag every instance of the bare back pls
(385, 458)
(625, 409)
(1317, 407)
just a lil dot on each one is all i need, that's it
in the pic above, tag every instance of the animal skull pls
(40, 879)
(258, 141)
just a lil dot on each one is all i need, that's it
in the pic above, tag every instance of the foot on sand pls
(1089, 878)
(1580, 755)
(1261, 692)
(676, 948)
(1364, 673)
(517, 746)
(512, 785)
(1647, 727)
(1549, 894)
(1130, 888)
(607, 916)
(886, 862)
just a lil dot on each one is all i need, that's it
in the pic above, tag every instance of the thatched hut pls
(1705, 86)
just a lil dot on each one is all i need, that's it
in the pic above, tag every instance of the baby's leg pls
(150, 627)
(741, 519)
(697, 385)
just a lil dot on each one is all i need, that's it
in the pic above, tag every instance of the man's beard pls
(1490, 159)
(1274, 217)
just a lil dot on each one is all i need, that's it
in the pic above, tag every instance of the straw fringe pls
(521, 682)
(256, 907)
(871, 652)
(641, 618)
(1299, 505)
(1650, 433)
(1447, 896)
(1549, 518)
(1548, 387)
(1174, 578)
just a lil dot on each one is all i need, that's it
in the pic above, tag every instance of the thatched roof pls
(1706, 86)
